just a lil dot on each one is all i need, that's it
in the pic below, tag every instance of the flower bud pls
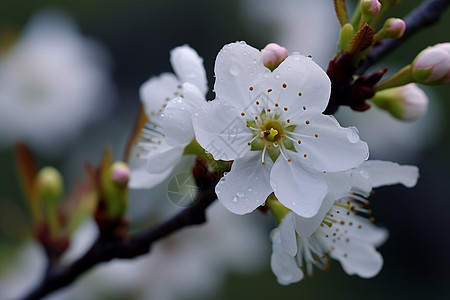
(394, 27)
(120, 173)
(407, 102)
(369, 8)
(114, 183)
(432, 65)
(273, 55)
(49, 185)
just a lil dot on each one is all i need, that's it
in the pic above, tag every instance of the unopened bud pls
(49, 185)
(120, 173)
(273, 55)
(432, 65)
(369, 8)
(394, 27)
(407, 102)
(114, 183)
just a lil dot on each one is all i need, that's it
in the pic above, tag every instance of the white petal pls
(157, 91)
(338, 187)
(221, 130)
(141, 179)
(283, 265)
(367, 232)
(193, 95)
(387, 173)
(246, 186)
(334, 149)
(163, 158)
(188, 66)
(298, 189)
(357, 257)
(237, 67)
(177, 122)
(287, 234)
(300, 74)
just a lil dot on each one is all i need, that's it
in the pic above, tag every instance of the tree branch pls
(425, 15)
(103, 250)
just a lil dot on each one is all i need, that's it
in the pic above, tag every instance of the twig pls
(425, 15)
(102, 250)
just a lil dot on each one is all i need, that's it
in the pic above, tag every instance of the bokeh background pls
(137, 37)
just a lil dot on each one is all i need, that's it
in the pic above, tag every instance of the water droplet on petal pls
(235, 199)
(277, 76)
(250, 189)
(234, 69)
(240, 194)
(255, 61)
(352, 135)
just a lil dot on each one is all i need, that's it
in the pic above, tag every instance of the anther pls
(299, 142)
(242, 114)
(285, 109)
(304, 155)
(257, 102)
(276, 104)
(299, 93)
(288, 120)
(316, 135)
(269, 90)
(307, 122)
(250, 88)
(284, 85)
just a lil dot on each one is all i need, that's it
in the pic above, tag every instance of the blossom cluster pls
(266, 118)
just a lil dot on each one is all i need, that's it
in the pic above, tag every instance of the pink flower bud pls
(273, 55)
(414, 102)
(394, 27)
(120, 173)
(370, 8)
(432, 65)
(407, 102)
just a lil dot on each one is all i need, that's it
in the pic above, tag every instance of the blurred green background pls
(139, 35)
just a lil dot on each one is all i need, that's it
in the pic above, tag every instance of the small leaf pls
(341, 12)
(362, 40)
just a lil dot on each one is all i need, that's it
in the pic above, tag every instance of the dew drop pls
(250, 189)
(240, 194)
(234, 69)
(277, 76)
(255, 61)
(235, 199)
(352, 135)
(225, 173)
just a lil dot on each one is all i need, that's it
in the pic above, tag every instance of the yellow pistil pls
(272, 134)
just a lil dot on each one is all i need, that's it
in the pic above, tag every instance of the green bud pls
(114, 183)
(347, 33)
(49, 185)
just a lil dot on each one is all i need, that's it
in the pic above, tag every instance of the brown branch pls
(103, 250)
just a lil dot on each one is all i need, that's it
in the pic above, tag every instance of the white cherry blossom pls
(271, 124)
(341, 230)
(168, 101)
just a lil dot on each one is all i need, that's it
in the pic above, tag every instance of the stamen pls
(263, 154)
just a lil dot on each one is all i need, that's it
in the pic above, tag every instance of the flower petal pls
(140, 178)
(163, 158)
(188, 66)
(177, 122)
(298, 189)
(283, 265)
(356, 256)
(236, 66)
(287, 234)
(328, 146)
(221, 130)
(383, 173)
(157, 91)
(298, 82)
(246, 186)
